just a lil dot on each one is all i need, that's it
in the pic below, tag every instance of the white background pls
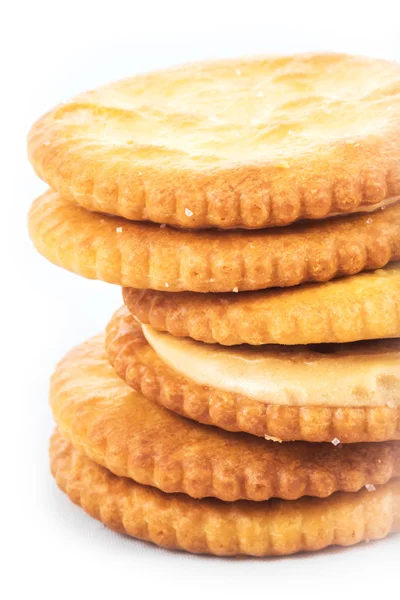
(50, 51)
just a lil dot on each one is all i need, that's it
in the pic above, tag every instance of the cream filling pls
(356, 374)
(369, 208)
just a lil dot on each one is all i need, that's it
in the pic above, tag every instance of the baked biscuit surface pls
(245, 143)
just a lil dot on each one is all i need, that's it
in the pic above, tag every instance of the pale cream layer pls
(369, 208)
(351, 375)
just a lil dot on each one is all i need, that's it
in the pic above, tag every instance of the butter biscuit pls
(362, 307)
(245, 143)
(144, 255)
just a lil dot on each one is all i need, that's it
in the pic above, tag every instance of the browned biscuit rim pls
(275, 527)
(157, 181)
(136, 362)
(143, 255)
(134, 437)
(362, 307)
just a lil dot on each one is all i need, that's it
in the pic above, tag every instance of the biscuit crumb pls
(188, 212)
(273, 439)
(370, 487)
(335, 442)
(119, 229)
(235, 289)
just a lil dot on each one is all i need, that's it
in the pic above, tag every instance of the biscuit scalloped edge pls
(114, 250)
(246, 197)
(226, 529)
(354, 308)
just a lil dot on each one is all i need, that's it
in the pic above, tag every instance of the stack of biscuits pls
(246, 398)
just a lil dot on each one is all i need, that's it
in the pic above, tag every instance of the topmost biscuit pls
(245, 143)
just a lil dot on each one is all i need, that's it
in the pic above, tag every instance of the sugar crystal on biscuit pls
(335, 441)
(370, 487)
(119, 229)
(188, 212)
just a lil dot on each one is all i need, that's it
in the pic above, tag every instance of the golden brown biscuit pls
(134, 437)
(363, 307)
(147, 256)
(210, 526)
(290, 415)
(239, 143)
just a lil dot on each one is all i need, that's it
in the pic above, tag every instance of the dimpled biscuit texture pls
(239, 143)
